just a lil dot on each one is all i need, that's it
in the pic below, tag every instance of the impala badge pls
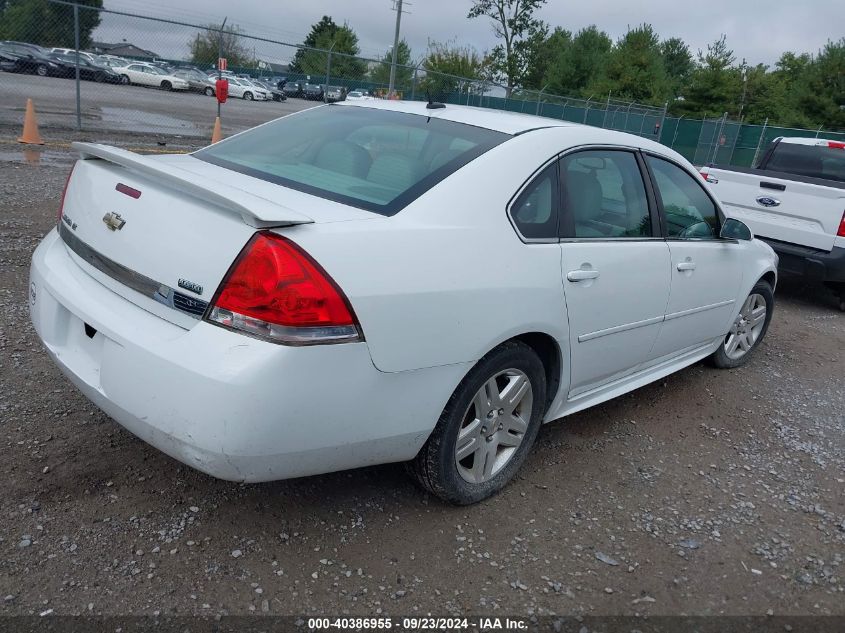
(113, 221)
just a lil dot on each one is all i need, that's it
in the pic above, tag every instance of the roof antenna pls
(432, 105)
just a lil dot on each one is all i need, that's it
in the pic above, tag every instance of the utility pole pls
(398, 9)
(219, 57)
(744, 68)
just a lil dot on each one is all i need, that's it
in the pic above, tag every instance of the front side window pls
(535, 210)
(604, 196)
(688, 210)
(372, 159)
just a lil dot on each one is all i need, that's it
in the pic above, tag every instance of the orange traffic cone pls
(217, 134)
(30, 126)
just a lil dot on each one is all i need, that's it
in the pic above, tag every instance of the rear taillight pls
(707, 177)
(64, 193)
(276, 291)
(836, 145)
(841, 231)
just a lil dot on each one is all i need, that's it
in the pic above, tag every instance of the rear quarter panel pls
(447, 278)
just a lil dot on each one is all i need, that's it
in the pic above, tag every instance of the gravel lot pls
(710, 492)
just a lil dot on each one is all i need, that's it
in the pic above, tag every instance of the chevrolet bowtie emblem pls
(113, 221)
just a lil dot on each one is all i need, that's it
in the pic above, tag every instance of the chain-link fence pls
(139, 74)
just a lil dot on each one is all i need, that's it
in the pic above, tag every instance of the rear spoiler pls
(255, 210)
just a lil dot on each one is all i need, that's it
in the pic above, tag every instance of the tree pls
(404, 73)
(579, 62)
(343, 43)
(206, 46)
(537, 75)
(521, 34)
(47, 23)
(715, 84)
(451, 68)
(635, 70)
(678, 62)
(820, 91)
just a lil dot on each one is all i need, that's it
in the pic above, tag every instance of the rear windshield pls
(813, 161)
(368, 158)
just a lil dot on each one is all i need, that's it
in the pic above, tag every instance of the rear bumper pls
(229, 405)
(809, 263)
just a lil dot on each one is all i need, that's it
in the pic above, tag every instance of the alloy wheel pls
(494, 426)
(746, 328)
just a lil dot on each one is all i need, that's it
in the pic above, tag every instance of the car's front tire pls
(248, 96)
(487, 428)
(748, 329)
(124, 79)
(42, 70)
(166, 85)
(209, 91)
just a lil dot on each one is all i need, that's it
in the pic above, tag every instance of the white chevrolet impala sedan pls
(379, 282)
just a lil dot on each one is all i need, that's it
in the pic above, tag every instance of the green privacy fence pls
(701, 141)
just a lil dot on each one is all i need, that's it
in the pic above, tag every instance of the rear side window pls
(535, 211)
(688, 210)
(373, 159)
(604, 196)
(812, 161)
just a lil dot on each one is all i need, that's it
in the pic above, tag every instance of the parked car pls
(111, 61)
(197, 80)
(293, 89)
(261, 93)
(278, 81)
(8, 61)
(357, 95)
(335, 94)
(26, 47)
(312, 92)
(91, 57)
(794, 199)
(22, 59)
(149, 75)
(295, 290)
(275, 93)
(87, 70)
(243, 89)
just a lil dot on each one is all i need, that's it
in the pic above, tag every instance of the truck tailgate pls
(781, 209)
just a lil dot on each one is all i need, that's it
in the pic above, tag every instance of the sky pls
(756, 31)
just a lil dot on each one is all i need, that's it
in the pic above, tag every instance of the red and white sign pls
(221, 63)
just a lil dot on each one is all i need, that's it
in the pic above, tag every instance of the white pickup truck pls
(794, 200)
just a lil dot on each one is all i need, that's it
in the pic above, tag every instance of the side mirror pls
(734, 229)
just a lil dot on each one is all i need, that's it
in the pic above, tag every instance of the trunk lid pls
(163, 232)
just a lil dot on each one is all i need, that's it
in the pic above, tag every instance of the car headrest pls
(345, 158)
(394, 171)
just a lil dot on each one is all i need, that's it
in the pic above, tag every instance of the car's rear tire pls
(748, 329)
(41, 70)
(124, 79)
(487, 428)
(248, 96)
(166, 85)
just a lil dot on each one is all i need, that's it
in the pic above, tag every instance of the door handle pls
(686, 266)
(581, 274)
